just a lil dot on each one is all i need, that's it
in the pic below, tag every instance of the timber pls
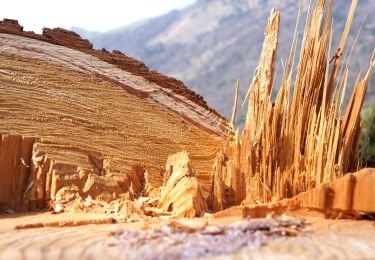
(70, 118)
(95, 140)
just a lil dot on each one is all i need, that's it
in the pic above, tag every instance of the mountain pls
(212, 43)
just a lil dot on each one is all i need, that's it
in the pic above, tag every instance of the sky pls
(92, 15)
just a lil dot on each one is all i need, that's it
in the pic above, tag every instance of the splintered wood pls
(351, 196)
(304, 138)
(181, 192)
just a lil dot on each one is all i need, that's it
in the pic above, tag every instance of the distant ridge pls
(211, 44)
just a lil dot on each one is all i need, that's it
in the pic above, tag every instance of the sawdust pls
(176, 240)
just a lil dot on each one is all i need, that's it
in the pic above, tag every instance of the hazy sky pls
(94, 15)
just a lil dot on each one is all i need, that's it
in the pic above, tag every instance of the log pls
(72, 116)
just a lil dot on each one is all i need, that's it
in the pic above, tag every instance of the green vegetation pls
(367, 144)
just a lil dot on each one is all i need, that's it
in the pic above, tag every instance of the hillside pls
(210, 44)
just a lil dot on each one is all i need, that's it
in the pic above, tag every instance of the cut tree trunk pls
(91, 120)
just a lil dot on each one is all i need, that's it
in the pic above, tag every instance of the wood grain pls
(94, 126)
(328, 239)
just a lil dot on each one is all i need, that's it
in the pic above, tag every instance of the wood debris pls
(351, 196)
(67, 223)
(304, 138)
(178, 240)
(181, 192)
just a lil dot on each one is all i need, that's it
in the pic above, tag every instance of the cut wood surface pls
(351, 196)
(328, 239)
(70, 118)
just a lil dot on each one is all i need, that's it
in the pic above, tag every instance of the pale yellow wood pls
(328, 239)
